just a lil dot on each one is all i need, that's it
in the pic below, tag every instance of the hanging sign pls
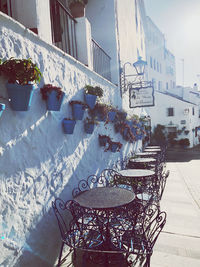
(141, 95)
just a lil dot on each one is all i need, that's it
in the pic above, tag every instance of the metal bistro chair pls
(142, 237)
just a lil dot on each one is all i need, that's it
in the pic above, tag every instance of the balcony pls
(63, 28)
(101, 61)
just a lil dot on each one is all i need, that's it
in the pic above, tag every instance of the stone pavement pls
(179, 243)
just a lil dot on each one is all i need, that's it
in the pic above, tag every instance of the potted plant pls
(100, 111)
(112, 111)
(78, 109)
(121, 115)
(68, 125)
(91, 94)
(104, 139)
(89, 125)
(114, 146)
(2, 107)
(184, 142)
(22, 74)
(77, 7)
(53, 95)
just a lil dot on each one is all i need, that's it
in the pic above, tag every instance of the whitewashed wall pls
(38, 162)
(158, 114)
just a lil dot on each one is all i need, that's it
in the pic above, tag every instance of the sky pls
(179, 21)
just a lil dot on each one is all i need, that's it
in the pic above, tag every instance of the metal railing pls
(63, 28)
(101, 61)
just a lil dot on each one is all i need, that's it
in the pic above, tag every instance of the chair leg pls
(60, 255)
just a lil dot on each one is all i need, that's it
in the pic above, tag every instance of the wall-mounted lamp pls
(137, 76)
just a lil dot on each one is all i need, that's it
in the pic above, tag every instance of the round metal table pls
(146, 154)
(105, 198)
(136, 173)
(152, 150)
(148, 147)
(141, 163)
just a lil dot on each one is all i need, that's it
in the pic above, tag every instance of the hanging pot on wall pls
(2, 107)
(78, 109)
(20, 96)
(90, 100)
(89, 128)
(68, 125)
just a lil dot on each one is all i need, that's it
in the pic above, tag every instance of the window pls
(5, 6)
(151, 62)
(157, 66)
(167, 87)
(183, 121)
(193, 111)
(154, 64)
(170, 112)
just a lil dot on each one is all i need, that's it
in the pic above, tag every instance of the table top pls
(105, 197)
(142, 160)
(152, 149)
(146, 153)
(136, 173)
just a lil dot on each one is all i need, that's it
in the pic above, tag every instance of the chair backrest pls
(153, 224)
(62, 211)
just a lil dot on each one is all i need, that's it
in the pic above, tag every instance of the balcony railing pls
(63, 28)
(101, 61)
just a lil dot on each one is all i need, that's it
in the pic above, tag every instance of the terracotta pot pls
(77, 10)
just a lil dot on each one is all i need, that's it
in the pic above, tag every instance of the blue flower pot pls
(114, 148)
(20, 96)
(101, 117)
(2, 107)
(89, 128)
(68, 126)
(78, 111)
(111, 115)
(103, 141)
(90, 100)
(53, 103)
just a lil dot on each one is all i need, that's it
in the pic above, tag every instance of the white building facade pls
(38, 162)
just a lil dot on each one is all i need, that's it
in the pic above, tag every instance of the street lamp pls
(139, 67)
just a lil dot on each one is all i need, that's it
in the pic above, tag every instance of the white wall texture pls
(38, 162)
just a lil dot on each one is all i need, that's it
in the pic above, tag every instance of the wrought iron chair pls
(62, 211)
(142, 237)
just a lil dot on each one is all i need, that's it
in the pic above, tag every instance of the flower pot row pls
(69, 124)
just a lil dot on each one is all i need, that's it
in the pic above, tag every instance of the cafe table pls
(108, 215)
(99, 211)
(152, 150)
(141, 163)
(146, 154)
(138, 179)
(152, 147)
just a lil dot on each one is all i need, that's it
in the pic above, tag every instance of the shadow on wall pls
(44, 240)
(60, 160)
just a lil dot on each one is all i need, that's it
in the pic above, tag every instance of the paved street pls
(179, 243)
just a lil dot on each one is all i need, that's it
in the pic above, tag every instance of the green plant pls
(184, 142)
(21, 71)
(78, 102)
(158, 136)
(48, 88)
(98, 91)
